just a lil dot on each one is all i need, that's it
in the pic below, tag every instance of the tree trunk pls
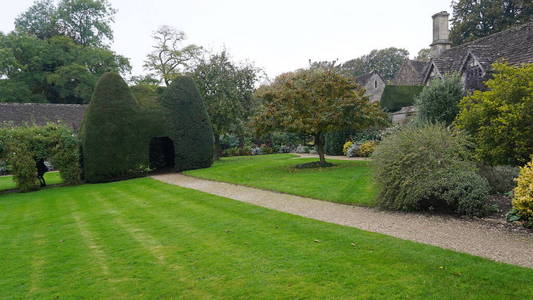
(218, 150)
(319, 142)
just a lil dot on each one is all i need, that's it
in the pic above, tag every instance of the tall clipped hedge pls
(112, 143)
(397, 96)
(189, 125)
(336, 139)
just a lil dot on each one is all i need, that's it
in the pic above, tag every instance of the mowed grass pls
(142, 239)
(348, 182)
(7, 183)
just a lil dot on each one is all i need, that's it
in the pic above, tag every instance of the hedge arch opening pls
(162, 153)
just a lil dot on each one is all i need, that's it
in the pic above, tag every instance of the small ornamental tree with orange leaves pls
(314, 102)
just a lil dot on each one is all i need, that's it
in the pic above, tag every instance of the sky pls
(275, 35)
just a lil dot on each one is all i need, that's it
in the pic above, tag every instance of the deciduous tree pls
(501, 118)
(473, 19)
(386, 62)
(87, 22)
(314, 102)
(227, 89)
(169, 59)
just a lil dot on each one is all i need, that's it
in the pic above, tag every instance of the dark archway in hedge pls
(122, 138)
(162, 154)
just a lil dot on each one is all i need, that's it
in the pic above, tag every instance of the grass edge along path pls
(349, 182)
(155, 240)
(461, 235)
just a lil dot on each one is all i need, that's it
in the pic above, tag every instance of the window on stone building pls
(375, 84)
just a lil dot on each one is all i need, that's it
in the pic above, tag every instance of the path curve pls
(471, 237)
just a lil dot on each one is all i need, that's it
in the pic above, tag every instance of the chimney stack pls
(441, 34)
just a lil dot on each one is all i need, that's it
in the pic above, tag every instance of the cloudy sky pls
(276, 35)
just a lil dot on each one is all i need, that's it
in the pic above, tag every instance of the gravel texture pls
(464, 235)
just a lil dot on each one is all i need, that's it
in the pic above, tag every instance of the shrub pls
(501, 118)
(231, 152)
(428, 167)
(523, 194)
(267, 149)
(346, 147)
(22, 164)
(353, 150)
(22, 146)
(112, 143)
(366, 148)
(501, 178)
(284, 149)
(189, 125)
(335, 141)
(438, 102)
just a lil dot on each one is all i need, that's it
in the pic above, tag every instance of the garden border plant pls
(429, 167)
(22, 146)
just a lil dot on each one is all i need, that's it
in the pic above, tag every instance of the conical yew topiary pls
(188, 124)
(112, 143)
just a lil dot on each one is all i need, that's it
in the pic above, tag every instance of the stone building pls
(472, 61)
(41, 113)
(410, 73)
(373, 84)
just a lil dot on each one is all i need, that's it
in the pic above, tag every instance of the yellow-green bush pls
(523, 194)
(367, 148)
(346, 146)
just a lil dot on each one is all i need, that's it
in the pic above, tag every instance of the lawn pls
(348, 182)
(7, 183)
(142, 239)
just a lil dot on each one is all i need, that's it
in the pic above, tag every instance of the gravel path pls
(473, 237)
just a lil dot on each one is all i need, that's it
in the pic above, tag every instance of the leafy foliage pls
(111, 133)
(428, 167)
(168, 60)
(501, 178)
(523, 194)
(386, 62)
(87, 22)
(314, 102)
(501, 118)
(55, 70)
(423, 54)
(439, 101)
(335, 141)
(476, 19)
(227, 90)
(189, 125)
(21, 147)
(366, 148)
(397, 96)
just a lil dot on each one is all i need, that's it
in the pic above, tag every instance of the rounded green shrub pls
(439, 101)
(189, 126)
(501, 178)
(113, 146)
(428, 167)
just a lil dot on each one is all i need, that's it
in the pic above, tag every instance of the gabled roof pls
(514, 46)
(40, 113)
(418, 65)
(363, 79)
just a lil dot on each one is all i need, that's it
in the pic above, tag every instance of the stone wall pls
(374, 88)
(403, 116)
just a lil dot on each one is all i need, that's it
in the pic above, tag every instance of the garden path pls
(468, 236)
